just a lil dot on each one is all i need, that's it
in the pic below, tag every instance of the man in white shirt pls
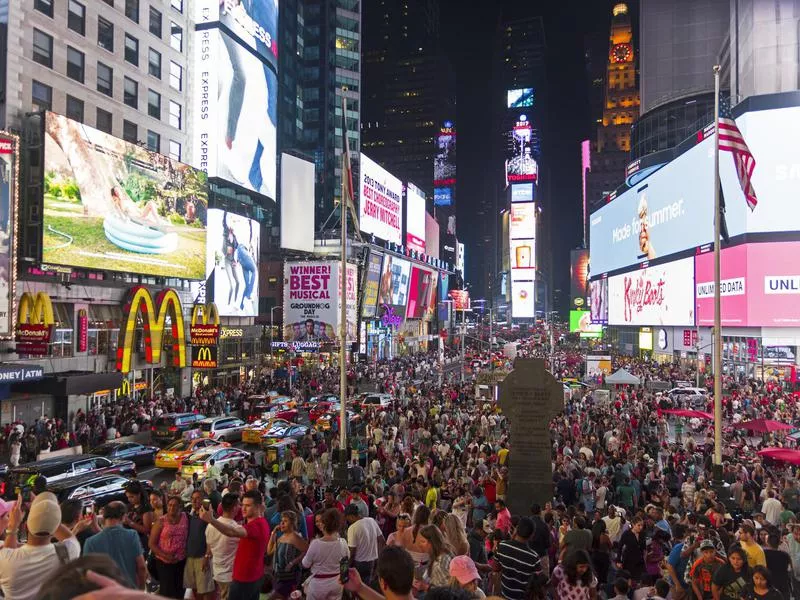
(363, 538)
(23, 569)
(221, 549)
(772, 509)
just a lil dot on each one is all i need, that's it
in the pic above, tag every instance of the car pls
(682, 393)
(280, 411)
(322, 408)
(93, 490)
(325, 421)
(281, 432)
(141, 455)
(199, 462)
(253, 432)
(172, 456)
(224, 429)
(173, 426)
(269, 404)
(60, 468)
(376, 400)
(314, 400)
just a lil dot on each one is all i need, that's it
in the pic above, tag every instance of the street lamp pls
(271, 327)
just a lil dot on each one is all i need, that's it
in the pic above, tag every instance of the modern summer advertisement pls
(113, 205)
(234, 244)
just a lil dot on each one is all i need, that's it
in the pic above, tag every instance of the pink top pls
(173, 538)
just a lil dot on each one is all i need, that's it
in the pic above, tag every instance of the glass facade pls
(668, 125)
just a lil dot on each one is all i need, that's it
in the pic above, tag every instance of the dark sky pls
(468, 36)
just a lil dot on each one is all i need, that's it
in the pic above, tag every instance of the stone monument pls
(530, 398)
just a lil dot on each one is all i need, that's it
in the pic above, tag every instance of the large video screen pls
(521, 165)
(9, 155)
(444, 162)
(419, 291)
(236, 108)
(253, 22)
(234, 245)
(415, 218)
(372, 284)
(579, 271)
(381, 202)
(598, 300)
(522, 299)
(311, 301)
(520, 98)
(297, 203)
(580, 321)
(112, 205)
(393, 291)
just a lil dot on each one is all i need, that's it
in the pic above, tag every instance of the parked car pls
(172, 456)
(263, 404)
(60, 468)
(322, 408)
(224, 429)
(376, 400)
(93, 490)
(141, 455)
(199, 462)
(280, 432)
(252, 434)
(173, 426)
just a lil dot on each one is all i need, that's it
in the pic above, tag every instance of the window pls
(44, 6)
(132, 10)
(75, 64)
(74, 109)
(155, 22)
(131, 93)
(104, 120)
(175, 76)
(175, 114)
(154, 104)
(174, 150)
(76, 17)
(42, 95)
(130, 132)
(175, 36)
(153, 141)
(105, 34)
(131, 49)
(154, 63)
(105, 79)
(177, 5)
(43, 48)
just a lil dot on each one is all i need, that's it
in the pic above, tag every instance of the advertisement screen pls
(444, 161)
(112, 205)
(523, 221)
(598, 300)
(522, 192)
(419, 291)
(415, 218)
(372, 282)
(645, 338)
(393, 290)
(522, 298)
(444, 286)
(253, 22)
(236, 103)
(521, 166)
(461, 257)
(448, 249)
(442, 196)
(521, 98)
(460, 299)
(580, 321)
(9, 148)
(380, 207)
(297, 203)
(233, 248)
(660, 295)
(579, 271)
(431, 236)
(523, 266)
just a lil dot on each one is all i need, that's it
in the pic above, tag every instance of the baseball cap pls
(707, 544)
(463, 568)
(6, 507)
(44, 516)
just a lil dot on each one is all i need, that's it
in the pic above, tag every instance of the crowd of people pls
(421, 511)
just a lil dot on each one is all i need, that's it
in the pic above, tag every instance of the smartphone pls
(89, 510)
(207, 504)
(344, 570)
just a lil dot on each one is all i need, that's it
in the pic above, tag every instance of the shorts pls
(195, 578)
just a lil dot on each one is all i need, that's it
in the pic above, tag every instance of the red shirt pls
(248, 564)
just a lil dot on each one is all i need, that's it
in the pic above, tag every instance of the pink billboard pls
(759, 285)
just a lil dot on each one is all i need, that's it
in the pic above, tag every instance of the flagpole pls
(343, 209)
(717, 304)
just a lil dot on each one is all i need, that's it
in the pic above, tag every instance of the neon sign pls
(390, 318)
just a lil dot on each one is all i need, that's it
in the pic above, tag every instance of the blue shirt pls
(678, 563)
(122, 545)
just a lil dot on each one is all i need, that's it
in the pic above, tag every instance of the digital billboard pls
(580, 321)
(297, 203)
(460, 258)
(431, 236)
(415, 218)
(660, 295)
(442, 196)
(521, 166)
(579, 271)
(419, 291)
(460, 299)
(522, 299)
(598, 300)
(444, 160)
(233, 248)
(236, 111)
(520, 98)
(381, 202)
(252, 22)
(522, 224)
(113, 205)
(393, 290)
(449, 246)
(9, 152)
(372, 282)
(522, 192)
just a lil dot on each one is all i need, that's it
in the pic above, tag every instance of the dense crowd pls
(634, 512)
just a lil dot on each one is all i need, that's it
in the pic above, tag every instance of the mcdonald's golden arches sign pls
(35, 323)
(204, 335)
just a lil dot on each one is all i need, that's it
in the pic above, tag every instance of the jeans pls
(366, 570)
(248, 270)
(240, 590)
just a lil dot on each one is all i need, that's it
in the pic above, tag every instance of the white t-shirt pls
(23, 570)
(363, 536)
(323, 556)
(223, 550)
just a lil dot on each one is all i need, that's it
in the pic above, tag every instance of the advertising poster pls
(580, 321)
(415, 218)
(393, 290)
(236, 107)
(522, 299)
(9, 146)
(598, 300)
(522, 192)
(431, 236)
(252, 22)
(579, 271)
(460, 299)
(461, 257)
(521, 166)
(352, 304)
(444, 161)
(297, 203)
(444, 286)
(598, 364)
(419, 291)
(442, 196)
(523, 221)
(523, 266)
(113, 205)
(381, 201)
(311, 301)
(520, 98)
(233, 248)
(372, 282)
(661, 295)
(430, 301)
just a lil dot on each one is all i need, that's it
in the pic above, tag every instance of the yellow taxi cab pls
(253, 432)
(172, 456)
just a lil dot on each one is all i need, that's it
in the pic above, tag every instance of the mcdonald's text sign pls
(35, 323)
(204, 357)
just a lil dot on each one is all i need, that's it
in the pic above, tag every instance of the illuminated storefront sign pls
(35, 323)
(204, 335)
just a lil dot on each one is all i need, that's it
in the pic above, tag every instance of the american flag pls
(731, 140)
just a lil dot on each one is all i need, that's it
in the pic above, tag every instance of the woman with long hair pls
(410, 538)
(168, 539)
(574, 578)
(601, 551)
(287, 548)
(455, 535)
(229, 246)
(761, 587)
(439, 556)
(140, 513)
(323, 558)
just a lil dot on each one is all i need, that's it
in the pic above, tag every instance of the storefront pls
(241, 349)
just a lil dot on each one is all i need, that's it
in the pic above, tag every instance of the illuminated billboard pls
(251, 22)
(236, 110)
(579, 271)
(598, 300)
(431, 236)
(113, 205)
(393, 290)
(520, 98)
(522, 299)
(442, 196)
(460, 258)
(522, 192)
(522, 242)
(372, 282)
(521, 166)
(297, 203)
(9, 153)
(233, 248)
(415, 218)
(580, 321)
(421, 282)
(381, 202)
(444, 160)
(460, 299)
(660, 295)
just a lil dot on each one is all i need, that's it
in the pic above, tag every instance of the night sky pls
(468, 39)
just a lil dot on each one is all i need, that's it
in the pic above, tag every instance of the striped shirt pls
(518, 564)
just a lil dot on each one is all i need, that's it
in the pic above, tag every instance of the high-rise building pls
(611, 150)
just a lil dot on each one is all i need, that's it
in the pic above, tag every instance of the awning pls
(72, 383)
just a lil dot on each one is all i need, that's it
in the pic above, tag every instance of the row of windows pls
(131, 11)
(42, 96)
(76, 66)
